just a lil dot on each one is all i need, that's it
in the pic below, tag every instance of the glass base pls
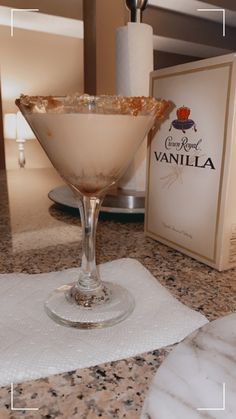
(63, 309)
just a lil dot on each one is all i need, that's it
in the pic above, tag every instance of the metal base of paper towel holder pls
(117, 201)
(124, 201)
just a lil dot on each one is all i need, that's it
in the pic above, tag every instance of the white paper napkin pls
(33, 346)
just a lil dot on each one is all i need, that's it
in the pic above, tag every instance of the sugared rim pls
(104, 104)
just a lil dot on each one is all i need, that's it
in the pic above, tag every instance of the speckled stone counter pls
(36, 236)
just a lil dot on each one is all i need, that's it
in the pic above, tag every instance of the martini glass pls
(90, 140)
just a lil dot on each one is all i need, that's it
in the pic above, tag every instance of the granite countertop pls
(36, 236)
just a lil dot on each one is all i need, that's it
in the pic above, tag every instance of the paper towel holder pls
(136, 8)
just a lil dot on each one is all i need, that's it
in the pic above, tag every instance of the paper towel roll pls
(134, 62)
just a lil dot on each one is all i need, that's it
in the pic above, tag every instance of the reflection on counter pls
(32, 225)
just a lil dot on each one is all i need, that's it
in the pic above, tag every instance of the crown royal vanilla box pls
(191, 165)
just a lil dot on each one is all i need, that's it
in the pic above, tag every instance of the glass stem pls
(89, 211)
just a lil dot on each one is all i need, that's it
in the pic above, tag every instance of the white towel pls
(34, 346)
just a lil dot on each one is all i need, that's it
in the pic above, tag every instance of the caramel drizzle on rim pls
(101, 104)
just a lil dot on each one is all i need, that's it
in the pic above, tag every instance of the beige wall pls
(66, 8)
(37, 63)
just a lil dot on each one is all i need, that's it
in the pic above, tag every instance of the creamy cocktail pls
(90, 151)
